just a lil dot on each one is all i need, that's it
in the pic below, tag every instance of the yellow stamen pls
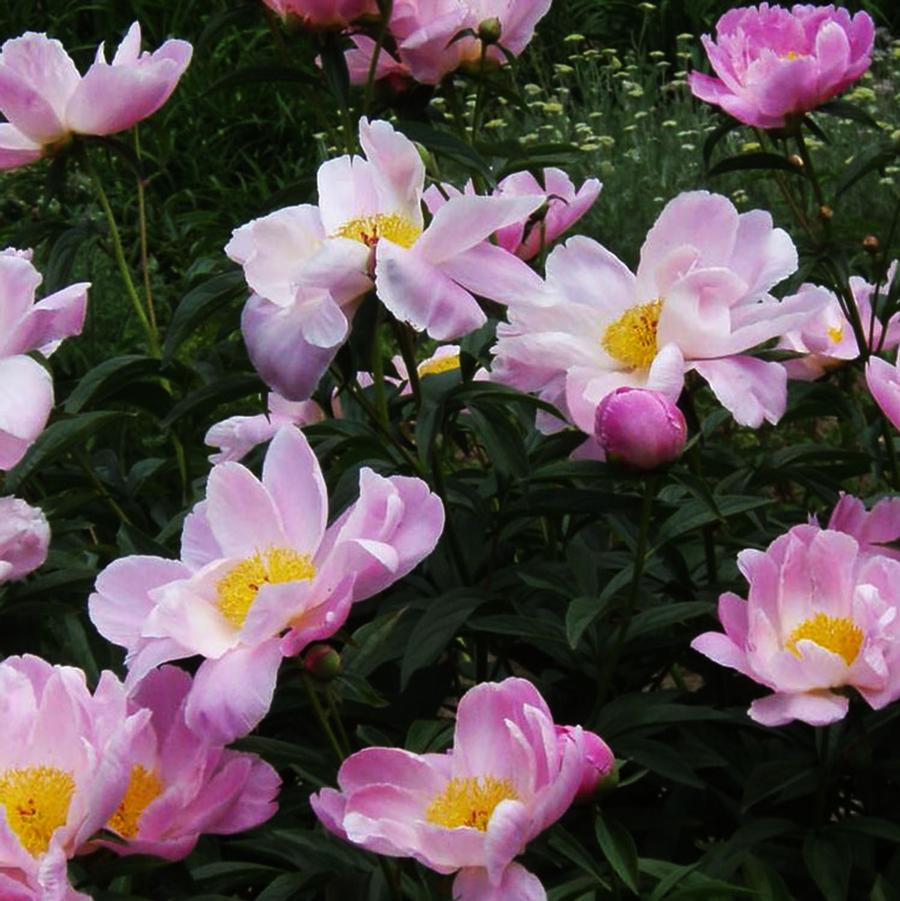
(631, 339)
(237, 590)
(36, 800)
(838, 634)
(368, 229)
(469, 802)
(442, 364)
(836, 333)
(143, 787)
(791, 54)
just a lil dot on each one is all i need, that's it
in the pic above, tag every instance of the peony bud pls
(598, 762)
(489, 30)
(322, 662)
(640, 428)
(24, 538)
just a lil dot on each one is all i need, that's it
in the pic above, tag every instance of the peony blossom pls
(883, 380)
(773, 63)
(563, 206)
(46, 101)
(236, 436)
(597, 764)
(24, 539)
(699, 301)
(821, 616)
(640, 428)
(425, 32)
(309, 266)
(63, 771)
(875, 530)
(826, 339)
(329, 14)
(388, 68)
(181, 786)
(472, 810)
(260, 577)
(26, 389)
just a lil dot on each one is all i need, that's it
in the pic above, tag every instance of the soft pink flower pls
(773, 63)
(874, 529)
(26, 389)
(24, 539)
(597, 764)
(182, 786)
(46, 101)
(260, 577)
(63, 771)
(425, 30)
(473, 809)
(820, 616)
(883, 380)
(640, 428)
(826, 339)
(698, 302)
(236, 436)
(563, 207)
(324, 13)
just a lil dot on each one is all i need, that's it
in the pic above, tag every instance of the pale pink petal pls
(517, 884)
(492, 272)
(16, 149)
(884, 384)
(26, 398)
(750, 389)
(814, 708)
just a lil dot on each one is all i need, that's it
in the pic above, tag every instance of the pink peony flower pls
(46, 101)
(425, 30)
(821, 616)
(640, 428)
(324, 13)
(236, 436)
(26, 389)
(883, 380)
(182, 786)
(388, 68)
(309, 266)
(698, 302)
(773, 63)
(63, 771)
(597, 764)
(826, 339)
(875, 530)
(24, 539)
(472, 810)
(260, 577)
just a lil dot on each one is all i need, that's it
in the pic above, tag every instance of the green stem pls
(887, 432)
(342, 732)
(386, 11)
(377, 362)
(119, 254)
(142, 223)
(322, 717)
(406, 339)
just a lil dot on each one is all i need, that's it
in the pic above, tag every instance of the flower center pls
(469, 802)
(36, 800)
(368, 229)
(836, 333)
(442, 364)
(631, 339)
(838, 634)
(237, 590)
(143, 787)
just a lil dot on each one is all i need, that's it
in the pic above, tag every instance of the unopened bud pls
(596, 764)
(796, 161)
(489, 30)
(826, 212)
(871, 244)
(322, 662)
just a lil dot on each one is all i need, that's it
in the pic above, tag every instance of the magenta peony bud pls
(597, 764)
(24, 538)
(640, 428)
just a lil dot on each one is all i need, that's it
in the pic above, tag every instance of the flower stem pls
(142, 222)
(322, 717)
(386, 8)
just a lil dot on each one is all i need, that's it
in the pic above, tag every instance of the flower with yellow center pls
(469, 802)
(143, 787)
(237, 590)
(36, 800)
(438, 365)
(631, 339)
(838, 634)
(368, 229)
(836, 333)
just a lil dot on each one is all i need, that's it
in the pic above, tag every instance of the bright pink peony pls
(877, 530)
(182, 786)
(260, 577)
(46, 101)
(883, 380)
(26, 389)
(24, 539)
(64, 768)
(425, 30)
(699, 301)
(236, 436)
(473, 809)
(324, 13)
(821, 616)
(772, 63)
(388, 68)
(597, 764)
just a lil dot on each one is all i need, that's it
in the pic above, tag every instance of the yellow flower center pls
(469, 802)
(836, 333)
(237, 590)
(838, 634)
(631, 339)
(442, 364)
(143, 787)
(36, 800)
(368, 229)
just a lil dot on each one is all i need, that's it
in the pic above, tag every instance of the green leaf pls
(828, 862)
(844, 109)
(619, 849)
(744, 162)
(446, 144)
(109, 378)
(582, 611)
(563, 842)
(870, 159)
(198, 305)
